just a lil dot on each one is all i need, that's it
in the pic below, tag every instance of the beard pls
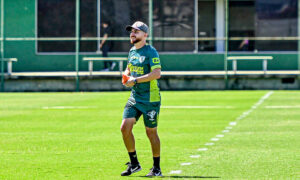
(136, 40)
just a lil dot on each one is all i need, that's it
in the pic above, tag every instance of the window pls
(276, 19)
(88, 25)
(173, 18)
(206, 25)
(241, 24)
(262, 18)
(121, 13)
(57, 18)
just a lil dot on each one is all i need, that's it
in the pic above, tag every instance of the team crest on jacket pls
(151, 114)
(142, 59)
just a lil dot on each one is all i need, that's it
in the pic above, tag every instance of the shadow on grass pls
(178, 177)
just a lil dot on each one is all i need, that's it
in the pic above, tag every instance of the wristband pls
(135, 81)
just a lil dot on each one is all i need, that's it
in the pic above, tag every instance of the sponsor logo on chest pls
(140, 58)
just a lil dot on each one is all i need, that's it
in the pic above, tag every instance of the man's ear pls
(146, 35)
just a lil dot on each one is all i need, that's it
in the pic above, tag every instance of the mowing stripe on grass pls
(70, 107)
(197, 107)
(282, 107)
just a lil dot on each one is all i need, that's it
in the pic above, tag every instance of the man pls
(106, 45)
(144, 69)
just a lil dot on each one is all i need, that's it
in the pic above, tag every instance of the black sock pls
(133, 158)
(156, 162)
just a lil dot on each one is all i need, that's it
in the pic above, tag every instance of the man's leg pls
(128, 138)
(154, 140)
(155, 145)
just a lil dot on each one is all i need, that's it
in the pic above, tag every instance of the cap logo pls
(138, 25)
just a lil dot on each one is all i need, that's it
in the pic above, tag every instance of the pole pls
(298, 38)
(151, 22)
(226, 45)
(77, 43)
(2, 46)
(98, 24)
(196, 26)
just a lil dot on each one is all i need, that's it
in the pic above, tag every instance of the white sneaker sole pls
(156, 175)
(136, 170)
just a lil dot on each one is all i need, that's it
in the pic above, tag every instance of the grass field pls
(77, 135)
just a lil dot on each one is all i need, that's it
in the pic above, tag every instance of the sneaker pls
(154, 171)
(131, 169)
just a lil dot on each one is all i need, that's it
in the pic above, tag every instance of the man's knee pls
(151, 132)
(127, 125)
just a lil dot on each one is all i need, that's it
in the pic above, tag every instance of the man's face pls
(136, 36)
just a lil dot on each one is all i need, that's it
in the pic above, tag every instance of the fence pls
(25, 41)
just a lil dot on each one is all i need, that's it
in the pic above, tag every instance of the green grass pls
(86, 143)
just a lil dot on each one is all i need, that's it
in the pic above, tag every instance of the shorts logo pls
(151, 114)
(142, 59)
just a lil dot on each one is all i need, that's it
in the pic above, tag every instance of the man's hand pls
(130, 82)
(125, 78)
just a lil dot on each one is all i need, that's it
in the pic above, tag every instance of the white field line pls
(227, 129)
(209, 144)
(197, 107)
(282, 107)
(186, 164)
(242, 116)
(175, 172)
(70, 107)
(194, 156)
(232, 123)
(202, 149)
(261, 100)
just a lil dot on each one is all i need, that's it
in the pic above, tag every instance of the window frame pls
(196, 36)
(65, 53)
